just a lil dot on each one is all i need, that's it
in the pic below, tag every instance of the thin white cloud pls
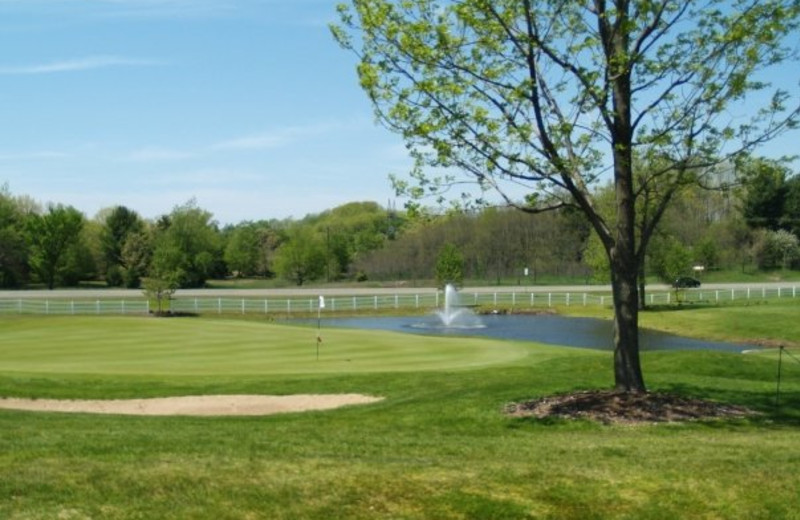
(283, 137)
(208, 177)
(75, 65)
(164, 8)
(157, 154)
(33, 156)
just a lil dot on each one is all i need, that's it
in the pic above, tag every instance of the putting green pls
(197, 346)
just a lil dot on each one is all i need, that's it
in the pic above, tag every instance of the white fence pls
(286, 306)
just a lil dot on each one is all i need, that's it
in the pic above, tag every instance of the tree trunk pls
(627, 367)
(622, 250)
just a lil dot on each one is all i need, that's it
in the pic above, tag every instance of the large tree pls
(13, 248)
(301, 257)
(117, 227)
(187, 246)
(765, 193)
(549, 96)
(51, 236)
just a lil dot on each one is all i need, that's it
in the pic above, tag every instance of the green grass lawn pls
(437, 446)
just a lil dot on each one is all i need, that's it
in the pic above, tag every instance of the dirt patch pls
(770, 343)
(194, 405)
(609, 407)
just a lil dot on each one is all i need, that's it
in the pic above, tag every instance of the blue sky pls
(247, 106)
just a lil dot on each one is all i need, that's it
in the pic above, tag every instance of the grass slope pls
(438, 446)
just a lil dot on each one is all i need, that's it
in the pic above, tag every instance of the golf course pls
(433, 440)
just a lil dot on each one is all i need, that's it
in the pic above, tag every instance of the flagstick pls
(319, 322)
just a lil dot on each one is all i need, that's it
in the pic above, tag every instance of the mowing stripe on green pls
(192, 346)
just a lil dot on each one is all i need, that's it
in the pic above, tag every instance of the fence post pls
(584, 299)
(219, 305)
(416, 300)
(288, 306)
(549, 299)
(567, 299)
(243, 306)
(266, 306)
(375, 305)
(396, 302)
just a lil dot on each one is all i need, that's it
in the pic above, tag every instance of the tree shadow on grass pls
(772, 409)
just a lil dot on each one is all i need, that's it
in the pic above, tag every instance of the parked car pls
(684, 282)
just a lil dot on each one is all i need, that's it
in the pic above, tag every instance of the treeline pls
(754, 226)
(57, 245)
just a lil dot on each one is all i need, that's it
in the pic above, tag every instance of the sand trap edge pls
(195, 405)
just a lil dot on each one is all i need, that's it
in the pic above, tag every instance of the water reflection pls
(556, 330)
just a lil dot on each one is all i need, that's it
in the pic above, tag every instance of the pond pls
(555, 330)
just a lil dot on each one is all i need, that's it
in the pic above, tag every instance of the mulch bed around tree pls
(612, 407)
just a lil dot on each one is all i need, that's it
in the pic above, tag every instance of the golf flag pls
(321, 302)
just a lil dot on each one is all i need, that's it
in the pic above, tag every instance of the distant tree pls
(594, 256)
(301, 258)
(243, 250)
(449, 266)
(160, 290)
(765, 193)
(351, 231)
(707, 253)
(50, 237)
(791, 206)
(13, 247)
(670, 259)
(80, 262)
(775, 248)
(119, 224)
(136, 254)
(163, 279)
(187, 244)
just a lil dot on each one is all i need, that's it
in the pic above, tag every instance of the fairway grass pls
(437, 446)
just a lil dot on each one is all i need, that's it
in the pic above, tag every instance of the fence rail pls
(289, 305)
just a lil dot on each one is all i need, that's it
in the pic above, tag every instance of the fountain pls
(454, 315)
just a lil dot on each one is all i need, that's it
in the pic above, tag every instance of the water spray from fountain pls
(454, 315)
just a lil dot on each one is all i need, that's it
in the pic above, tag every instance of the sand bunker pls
(194, 405)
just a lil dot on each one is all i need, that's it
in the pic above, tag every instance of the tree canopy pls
(538, 100)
